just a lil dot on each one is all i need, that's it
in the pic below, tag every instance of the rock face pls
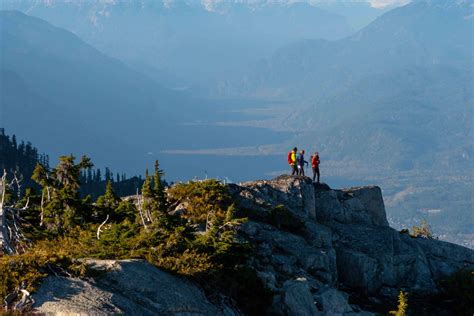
(131, 287)
(342, 241)
(315, 248)
(363, 205)
(296, 193)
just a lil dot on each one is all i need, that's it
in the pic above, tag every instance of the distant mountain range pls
(404, 82)
(186, 44)
(423, 34)
(56, 89)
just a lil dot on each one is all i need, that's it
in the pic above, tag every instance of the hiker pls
(292, 161)
(315, 164)
(300, 162)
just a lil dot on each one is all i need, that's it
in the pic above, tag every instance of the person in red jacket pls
(315, 164)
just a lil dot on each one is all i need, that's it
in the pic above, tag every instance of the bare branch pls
(42, 208)
(26, 204)
(99, 229)
(140, 210)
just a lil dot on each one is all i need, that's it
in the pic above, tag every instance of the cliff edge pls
(325, 245)
(320, 251)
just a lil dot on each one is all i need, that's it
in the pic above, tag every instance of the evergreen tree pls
(64, 208)
(158, 189)
(98, 176)
(14, 144)
(147, 196)
(89, 176)
(20, 158)
(107, 174)
(109, 200)
(108, 204)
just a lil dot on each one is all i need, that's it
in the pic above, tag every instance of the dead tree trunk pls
(99, 229)
(4, 232)
(11, 237)
(140, 210)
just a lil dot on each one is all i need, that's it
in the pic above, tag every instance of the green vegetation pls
(65, 228)
(20, 158)
(203, 199)
(402, 305)
(424, 230)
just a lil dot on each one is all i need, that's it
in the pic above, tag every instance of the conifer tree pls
(40, 175)
(98, 176)
(107, 204)
(63, 208)
(14, 143)
(89, 175)
(148, 198)
(107, 174)
(109, 200)
(147, 192)
(158, 189)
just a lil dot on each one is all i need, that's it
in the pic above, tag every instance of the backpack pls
(290, 160)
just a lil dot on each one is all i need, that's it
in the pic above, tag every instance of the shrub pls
(402, 305)
(30, 267)
(203, 198)
(424, 230)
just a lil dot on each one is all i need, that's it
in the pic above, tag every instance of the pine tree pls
(109, 199)
(107, 174)
(147, 192)
(89, 176)
(107, 204)
(147, 196)
(40, 175)
(63, 208)
(159, 190)
(14, 143)
(98, 176)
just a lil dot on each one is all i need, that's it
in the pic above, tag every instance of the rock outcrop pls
(131, 287)
(296, 193)
(339, 243)
(314, 248)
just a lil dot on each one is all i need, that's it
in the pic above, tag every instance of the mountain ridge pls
(50, 70)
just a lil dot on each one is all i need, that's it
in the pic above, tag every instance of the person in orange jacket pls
(315, 164)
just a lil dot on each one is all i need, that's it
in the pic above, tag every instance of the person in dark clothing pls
(301, 162)
(315, 164)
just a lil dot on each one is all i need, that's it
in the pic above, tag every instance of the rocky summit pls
(320, 251)
(338, 243)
